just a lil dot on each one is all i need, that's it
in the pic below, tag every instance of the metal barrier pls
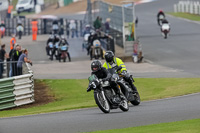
(44, 26)
(16, 91)
(192, 7)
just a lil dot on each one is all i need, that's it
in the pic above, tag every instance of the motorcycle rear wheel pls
(102, 104)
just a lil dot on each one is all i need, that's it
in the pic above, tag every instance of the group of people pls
(72, 28)
(14, 59)
(57, 45)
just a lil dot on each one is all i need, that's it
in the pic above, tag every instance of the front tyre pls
(124, 105)
(102, 104)
(136, 100)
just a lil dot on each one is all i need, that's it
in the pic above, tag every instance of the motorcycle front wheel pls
(124, 105)
(101, 102)
(137, 99)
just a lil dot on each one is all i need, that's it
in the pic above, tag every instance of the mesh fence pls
(119, 15)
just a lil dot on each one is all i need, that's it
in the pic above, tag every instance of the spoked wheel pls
(137, 99)
(102, 104)
(124, 105)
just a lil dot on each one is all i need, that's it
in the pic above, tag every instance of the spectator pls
(3, 54)
(67, 29)
(97, 23)
(76, 30)
(72, 27)
(14, 56)
(107, 26)
(23, 58)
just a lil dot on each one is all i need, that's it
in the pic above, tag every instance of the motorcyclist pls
(55, 42)
(55, 26)
(94, 36)
(87, 29)
(164, 21)
(102, 73)
(63, 42)
(2, 29)
(160, 13)
(112, 61)
(51, 39)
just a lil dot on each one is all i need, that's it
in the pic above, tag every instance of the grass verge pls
(186, 15)
(187, 126)
(71, 93)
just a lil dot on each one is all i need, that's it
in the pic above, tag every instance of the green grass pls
(186, 15)
(187, 126)
(71, 93)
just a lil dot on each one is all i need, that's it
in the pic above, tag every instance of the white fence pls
(192, 7)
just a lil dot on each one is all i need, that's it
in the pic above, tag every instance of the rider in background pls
(112, 61)
(160, 13)
(94, 36)
(165, 21)
(87, 30)
(55, 26)
(63, 42)
(2, 29)
(51, 39)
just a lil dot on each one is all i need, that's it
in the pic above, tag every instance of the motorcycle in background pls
(51, 48)
(2, 30)
(56, 47)
(165, 28)
(63, 52)
(160, 19)
(85, 41)
(96, 49)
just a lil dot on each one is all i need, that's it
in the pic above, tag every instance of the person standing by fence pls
(23, 58)
(14, 56)
(3, 55)
(107, 26)
(34, 29)
(97, 23)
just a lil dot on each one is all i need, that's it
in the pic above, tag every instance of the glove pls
(88, 89)
(104, 80)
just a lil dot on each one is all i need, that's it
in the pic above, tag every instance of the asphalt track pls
(177, 54)
(85, 120)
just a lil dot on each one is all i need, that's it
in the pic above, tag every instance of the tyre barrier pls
(16, 91)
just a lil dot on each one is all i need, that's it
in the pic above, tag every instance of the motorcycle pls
(133, 98)
(85, 43)
(104, 95)
(160, 19)
(96, 49)
(2, 30)
(165, 28)
(56, 47)
(51, 47)
(63, 51)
